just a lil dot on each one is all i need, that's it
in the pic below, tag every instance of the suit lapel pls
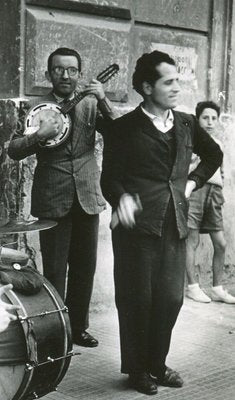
(146, 124)
(181, 131)
(181, 127)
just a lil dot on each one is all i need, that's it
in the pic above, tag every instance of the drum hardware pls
(35, 395)
(42, 314)
(30, 366)
(60, 113)
(16, 266)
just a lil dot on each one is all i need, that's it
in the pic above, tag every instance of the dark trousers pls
(149, 283)
(73, 244)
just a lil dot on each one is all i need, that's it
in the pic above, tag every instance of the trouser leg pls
(149, 277)
(168, 289)
(82, 264)
(55, 243)
(133, 260)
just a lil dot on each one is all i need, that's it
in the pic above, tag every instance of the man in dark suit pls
(148, 154)
(66, 187)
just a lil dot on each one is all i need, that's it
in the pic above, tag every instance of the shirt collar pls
(61, 99)
(153, 117)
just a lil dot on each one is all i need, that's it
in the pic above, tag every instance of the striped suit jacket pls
(68, 170)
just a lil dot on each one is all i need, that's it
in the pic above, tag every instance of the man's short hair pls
(64, 51)
(200, 107)
(145, 70)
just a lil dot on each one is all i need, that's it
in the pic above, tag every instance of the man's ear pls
(147, 88)
(48, 76)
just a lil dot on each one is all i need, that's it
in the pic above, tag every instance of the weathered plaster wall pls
(9, 170)
(10, 30)
(15, 182)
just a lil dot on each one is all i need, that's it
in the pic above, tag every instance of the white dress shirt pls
(158, 122)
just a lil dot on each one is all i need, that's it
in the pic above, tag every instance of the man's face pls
(208, 120)
(164, 93)
(63, 84)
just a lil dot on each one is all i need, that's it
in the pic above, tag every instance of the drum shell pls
(44, 334)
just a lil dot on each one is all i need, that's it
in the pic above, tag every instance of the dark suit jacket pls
(68, 169)
(133, 163)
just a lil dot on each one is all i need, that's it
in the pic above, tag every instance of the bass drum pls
(35, 350)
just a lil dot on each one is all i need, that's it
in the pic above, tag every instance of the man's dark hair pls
(64, 51)
(145, 70)
(200, 107)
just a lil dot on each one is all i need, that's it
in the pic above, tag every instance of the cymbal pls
(20, 225)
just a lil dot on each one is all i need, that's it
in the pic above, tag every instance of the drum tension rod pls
(43, 314)
(36, 396)
(29, 367)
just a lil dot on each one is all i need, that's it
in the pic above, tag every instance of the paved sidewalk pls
(202, 350)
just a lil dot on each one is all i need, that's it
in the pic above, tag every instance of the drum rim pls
(28, 373)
